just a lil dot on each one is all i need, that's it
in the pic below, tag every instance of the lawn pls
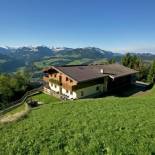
(44, 98)
(108, 125)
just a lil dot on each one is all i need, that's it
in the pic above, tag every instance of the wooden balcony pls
(65, 85)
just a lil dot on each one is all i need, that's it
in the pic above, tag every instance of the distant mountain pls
(145, 56)
(4, 57)
(32, 53)
(59, 49)
(4, 51)
(142, 50)
(14, 58)
(20, 57)
(39, 52)
(9, 64)
(89, 52)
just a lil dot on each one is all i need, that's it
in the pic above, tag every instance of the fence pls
(53, 93)
(21, 100)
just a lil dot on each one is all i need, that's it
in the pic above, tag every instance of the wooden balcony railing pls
(65, 85)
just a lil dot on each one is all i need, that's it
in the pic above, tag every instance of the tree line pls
(146, 70)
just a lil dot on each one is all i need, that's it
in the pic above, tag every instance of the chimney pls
(102, 71)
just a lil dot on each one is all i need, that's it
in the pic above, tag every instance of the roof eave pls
(115, 77)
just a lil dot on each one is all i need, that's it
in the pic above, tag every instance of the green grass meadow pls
(109, 125)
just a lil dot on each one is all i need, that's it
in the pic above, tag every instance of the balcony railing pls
(65, 85)
(55, 81)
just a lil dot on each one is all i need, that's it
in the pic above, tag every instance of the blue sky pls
(108, 24)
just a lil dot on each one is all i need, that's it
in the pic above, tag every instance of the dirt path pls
(16, 116)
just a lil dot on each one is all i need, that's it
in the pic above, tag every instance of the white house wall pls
(71, 95)
(54, 87)
(88, 91)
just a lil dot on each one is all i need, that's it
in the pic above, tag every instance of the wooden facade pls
(65, 81)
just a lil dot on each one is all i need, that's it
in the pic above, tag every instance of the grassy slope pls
(99, 126)
(51, 61)
(79, 61)
(45, 99)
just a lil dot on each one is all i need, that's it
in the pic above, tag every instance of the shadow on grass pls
(127, 91)
(130, 90)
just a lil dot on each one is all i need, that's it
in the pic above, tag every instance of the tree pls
(12, 86)
(134, 62)
(126, 60)
(111, 61)
(151, 75)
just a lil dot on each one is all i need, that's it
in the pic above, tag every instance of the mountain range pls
(14, 58)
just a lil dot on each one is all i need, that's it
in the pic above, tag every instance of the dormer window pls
(71, 81)
(67, 79)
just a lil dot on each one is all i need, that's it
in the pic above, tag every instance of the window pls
(55, 75)
(97, 88)
(66, 91)
(55, 85)
(82, 93)
(66, 78)
(71, 93)
(71, 81)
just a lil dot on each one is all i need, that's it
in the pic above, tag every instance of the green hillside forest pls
(109, 125)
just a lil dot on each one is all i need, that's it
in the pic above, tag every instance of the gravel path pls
(16, 116)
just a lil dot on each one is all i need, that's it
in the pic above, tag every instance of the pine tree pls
(151, 75)
(111, 61)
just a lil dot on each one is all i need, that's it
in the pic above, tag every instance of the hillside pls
(9, 64)
(93, 126)
(22, 57)
(86, 53)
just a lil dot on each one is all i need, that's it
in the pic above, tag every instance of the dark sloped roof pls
(80, 73)
(86, 73)
(115, 70)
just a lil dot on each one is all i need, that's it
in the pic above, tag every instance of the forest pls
(13, 86)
